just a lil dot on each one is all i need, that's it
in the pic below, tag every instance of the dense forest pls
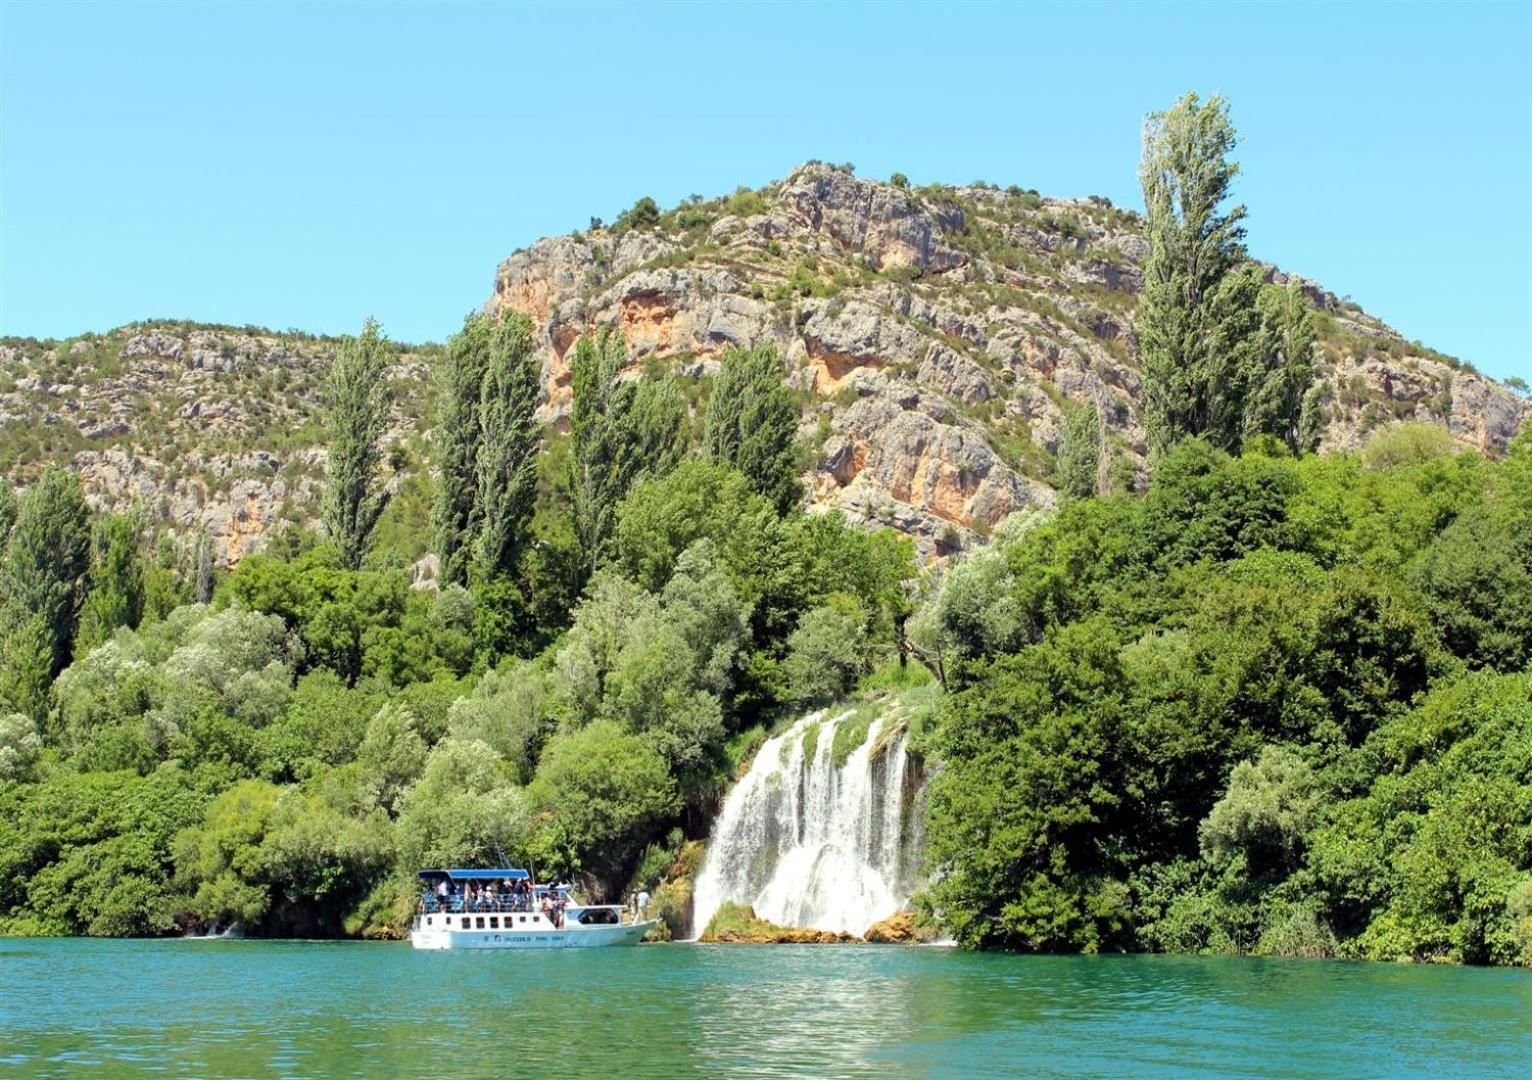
(616, 619)
(1258, 700)
(1275, 705)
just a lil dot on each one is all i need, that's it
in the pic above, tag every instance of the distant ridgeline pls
(1037, 574)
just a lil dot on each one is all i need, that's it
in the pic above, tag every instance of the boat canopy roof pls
(505, 872)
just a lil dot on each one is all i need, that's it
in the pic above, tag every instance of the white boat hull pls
(570, 937)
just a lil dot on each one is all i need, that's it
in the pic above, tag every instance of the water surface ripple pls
(270, 1008)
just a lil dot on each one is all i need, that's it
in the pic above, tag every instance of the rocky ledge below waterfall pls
(900, 928)
(737, 924)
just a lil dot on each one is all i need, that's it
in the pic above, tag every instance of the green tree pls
(7, 514)
(507, 453)
(48, 562)
(357, 399)
(975, 611)
(602, 789)
(459, 436)
(464, 809)
(26, 662)
(117, 590)
(392, 756)
(752, 424)
(1079, 462)
(621, 431)
(643, 214)
(663, 517)
(1282, 369)
(825, 655)
(1265, 814)
(20, 746)
(1196, 308)
(1477, 579)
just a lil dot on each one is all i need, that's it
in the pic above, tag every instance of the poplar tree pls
(507, 451)
(46, 566)
(752, 424)
(1282, 370)
(357, 400)
(117, 593)
(1195, 310)
(7, 514)
(458, 438)
(1079, 460)
(620, 430)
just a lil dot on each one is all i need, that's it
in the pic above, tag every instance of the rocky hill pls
(935, 334)
(211, 428)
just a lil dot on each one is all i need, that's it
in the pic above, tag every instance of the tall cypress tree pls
(116, 596)
(752, 424)
(620, 430)
(593, 453)
(458, 438)
(7, 514)
(357, 399)
(46, 565)
(1079, 461)
(507, 453)
(1195, 312)
(1282, 369)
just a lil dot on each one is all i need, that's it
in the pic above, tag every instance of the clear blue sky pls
(305, 165)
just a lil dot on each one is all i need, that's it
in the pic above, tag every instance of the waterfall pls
(807, 844)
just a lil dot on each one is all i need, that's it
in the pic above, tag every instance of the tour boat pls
(503, 909)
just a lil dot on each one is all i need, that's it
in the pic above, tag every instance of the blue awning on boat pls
(505, 872)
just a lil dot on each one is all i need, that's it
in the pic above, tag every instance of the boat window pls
(523, 918)
(494, 923)
(480, 921)
(430, 920)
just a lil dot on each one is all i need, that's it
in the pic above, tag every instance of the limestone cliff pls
(211, 429)
(937, 334)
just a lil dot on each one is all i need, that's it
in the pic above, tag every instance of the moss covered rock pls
(738, 924)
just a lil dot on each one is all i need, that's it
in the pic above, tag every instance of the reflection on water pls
(250, 1008)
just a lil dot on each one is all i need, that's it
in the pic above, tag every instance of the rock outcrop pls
(944, 332)
(899, 928)
(212, 430)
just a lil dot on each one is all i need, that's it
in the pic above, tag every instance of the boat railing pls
(460, 904)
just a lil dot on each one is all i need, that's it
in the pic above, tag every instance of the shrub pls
(643, 214)
(1406, 444)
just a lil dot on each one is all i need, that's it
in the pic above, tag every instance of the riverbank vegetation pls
(1277, 705)
(614, 606)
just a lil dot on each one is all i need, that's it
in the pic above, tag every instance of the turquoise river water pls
(272, 1008)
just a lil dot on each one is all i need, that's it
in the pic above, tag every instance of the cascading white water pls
(807, 844)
